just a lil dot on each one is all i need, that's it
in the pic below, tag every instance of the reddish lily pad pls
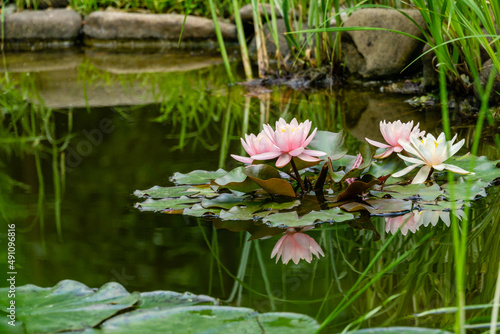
(269, 179)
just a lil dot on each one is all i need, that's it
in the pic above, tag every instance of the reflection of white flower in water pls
(413, 220)
(295, 245)
(431, 153)
(407, 223)
(427, 217)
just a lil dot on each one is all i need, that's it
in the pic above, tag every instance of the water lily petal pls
(245, 160)
(422, 175)
(376, 143)
(314, 153)
(266, 156)
(456, 169)
(411, 159)
(278, 248)
(455, 148)
(307, 157)
(385, 154)
(406, 170)
(408, 147)
(445, 217)
(297, 151)
(308, 140)
(283, 160)
(302, 239)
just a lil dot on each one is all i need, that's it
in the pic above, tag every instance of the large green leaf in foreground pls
(72, 306)
(69, 305)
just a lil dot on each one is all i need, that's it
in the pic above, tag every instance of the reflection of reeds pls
(31, 130)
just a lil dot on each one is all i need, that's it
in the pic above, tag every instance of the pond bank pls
(369, 54)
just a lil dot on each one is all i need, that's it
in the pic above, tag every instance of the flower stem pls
(297, 176)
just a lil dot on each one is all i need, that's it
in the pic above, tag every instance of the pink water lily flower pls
(255, 145)
(392, 132)
(295, 245)
(291, 140)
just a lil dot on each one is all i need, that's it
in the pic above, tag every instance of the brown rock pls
(125, 26)
(51, 24)
(385, 53)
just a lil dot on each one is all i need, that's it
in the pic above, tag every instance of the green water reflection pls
(81, 131)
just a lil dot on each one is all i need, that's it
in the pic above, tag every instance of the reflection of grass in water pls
(30, 129)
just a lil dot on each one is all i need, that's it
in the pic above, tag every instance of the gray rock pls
(429, 70)
(384, 53)
(125, 26)
(483, 77)
(51, 24)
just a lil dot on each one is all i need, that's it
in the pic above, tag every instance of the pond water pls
(81, 131)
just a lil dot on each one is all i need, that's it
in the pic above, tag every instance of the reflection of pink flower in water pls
(295, 245)
(254, 145)
(291, 141)
(407, 222)
(392, 132)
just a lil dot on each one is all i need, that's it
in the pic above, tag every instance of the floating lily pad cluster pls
(73, 307)
(285, 185)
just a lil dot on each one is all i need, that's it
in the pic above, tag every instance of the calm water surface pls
(117, 124)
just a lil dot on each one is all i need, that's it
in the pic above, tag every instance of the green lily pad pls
(207, 319)
(225, 201)
(171, 299)
(399, 192)
(379, 206)
(291, 219)
(197, 176)
(430, 193)
(269, 179)
(237, 180)
(162, 192)
(485, 169)
(166, 204)
(460, 189)
(238, 213)
(199, 211)
(69, 305)
(333, 144)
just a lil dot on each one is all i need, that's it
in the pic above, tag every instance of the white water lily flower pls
(431, 153)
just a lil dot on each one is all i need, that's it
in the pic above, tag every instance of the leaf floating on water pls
(45, 310)
(291, 219)
(162, 192)
(226, 201)
(237, 180)
(462, 191)
(269, 179)
(166, 204)
(197, 177)
(199, 211)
